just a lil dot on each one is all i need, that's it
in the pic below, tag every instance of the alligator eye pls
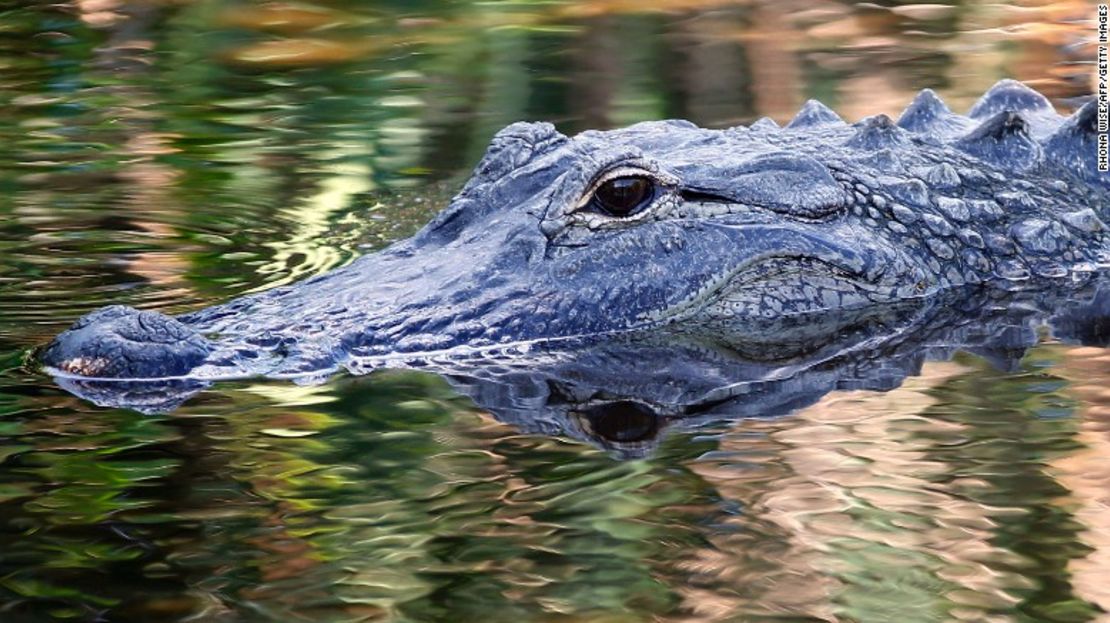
(623, 196)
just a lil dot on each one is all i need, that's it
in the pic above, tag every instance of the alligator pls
(757, 231)
(626, 392)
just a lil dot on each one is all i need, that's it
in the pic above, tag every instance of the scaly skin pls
(623, 395)
(754, 230)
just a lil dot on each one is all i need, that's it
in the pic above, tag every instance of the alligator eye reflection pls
(623, 196)
(623, 421)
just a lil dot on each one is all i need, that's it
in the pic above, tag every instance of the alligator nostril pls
(123, 342)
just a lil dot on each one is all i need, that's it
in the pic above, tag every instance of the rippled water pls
(173, 154)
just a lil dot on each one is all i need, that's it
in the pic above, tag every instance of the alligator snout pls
(126, 343)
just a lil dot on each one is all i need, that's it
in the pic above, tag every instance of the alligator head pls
(761, 230)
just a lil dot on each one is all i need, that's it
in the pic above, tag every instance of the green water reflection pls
(169, 154)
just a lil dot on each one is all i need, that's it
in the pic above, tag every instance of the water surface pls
(174, 154)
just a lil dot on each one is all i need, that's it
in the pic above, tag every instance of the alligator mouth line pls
(403, 359)
(755, 271)
(781, 267)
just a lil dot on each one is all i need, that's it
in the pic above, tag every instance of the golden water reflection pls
(875, 507)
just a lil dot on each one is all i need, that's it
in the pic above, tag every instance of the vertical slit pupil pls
(623, 196)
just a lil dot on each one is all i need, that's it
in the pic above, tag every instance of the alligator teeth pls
(1004, 140)
(814, 114)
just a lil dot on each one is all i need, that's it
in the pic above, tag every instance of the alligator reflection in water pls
(623, 393)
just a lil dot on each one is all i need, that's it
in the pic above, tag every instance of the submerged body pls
(758, 229)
